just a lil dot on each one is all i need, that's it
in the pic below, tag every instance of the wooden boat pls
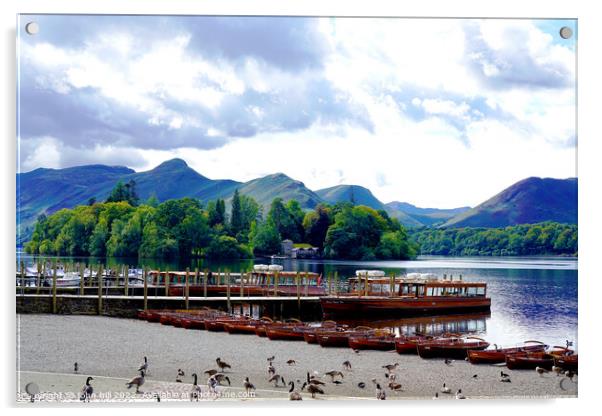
(498, 355)
(338, 337)
(217, 324)
(407, 344)
(449, 347)
(309, 332)
(567, 362)
(246, 327)
(558, 351)
(414, 294)
(285, 331)
(193, 322)
(529, 360)
(373, 340)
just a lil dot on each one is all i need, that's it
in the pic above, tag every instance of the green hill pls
(426, 216)
(529, 201)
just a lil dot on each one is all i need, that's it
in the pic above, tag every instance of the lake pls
(531, 297)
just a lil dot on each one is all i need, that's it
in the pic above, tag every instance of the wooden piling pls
(100, 289)
(298, 278)
(54, 288)
(205, 277)
(329, 283)
(22, 277)
(196, 276)
(336, 283)
(187, 289)
(228, 290)
(306, 283)
(145, 288)
(167, 279)
(80, 269)
(276, 278)
(126, 277)
(242, 285)
(41, 272)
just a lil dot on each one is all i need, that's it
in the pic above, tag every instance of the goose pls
(144, 367)
(540, 371)
(222, 364)
(271, 370)
(247, 385)
(87, 390)
(211, 372)
(391, 376)
(272, 358)
(179, 376)
(137, 381)
(557, 370)
(219, 377)
(459, 394)
(445, 389)
(337, 382)
(332, 374)
(292, 394)
(436, 396)
(505, 380)
(196, 389)
(75, 367)
(275, 379)
(380, 393)
(291, 362)
(347, 365)
(504, 375)
(313, 389)
(475, 376)
(361, 385)
(395, 386)
(390, 367)
(447, 361)
(314, 380)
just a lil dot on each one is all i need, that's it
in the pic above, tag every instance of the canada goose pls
(247, 385)
(505, 380)
(292, 394)
(332, 374)
(75, 367)
(436, 396)
(196, 389)
(313, 389)
(355, 350)
(390, 367)
(291, 362)
(504, 375)
(219, 377)
(557, 370)
(447, 361)
(211, 372)
(445, 389)
(275, 379)
(144, 367)
(314, 380)
(347, 365)
(475, 376)
(361, 385)
(459, 394)
(271, 370)
(87, 391)
(179, 376)
(540, 371)
(137, 381)
(395, 386)
(222, 364)
(380, 393)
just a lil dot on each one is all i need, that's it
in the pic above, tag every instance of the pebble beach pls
(112, 349)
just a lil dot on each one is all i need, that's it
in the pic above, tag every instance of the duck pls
(219, 377)
(222, 364)
(347, 365)
(179, 376)
(395, 386)
(144, 367)
(459, 394)
(87, 390)
(445, 389)
(380, 393)
(137, 381)
(248, 385)
(390, 367)
(392, 377)
(291, 362)
(292, 394)
(332, 374)
(211, 372)
(196, 391)
(313, 389)
(275, 379)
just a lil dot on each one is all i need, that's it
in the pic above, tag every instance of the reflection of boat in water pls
(370, 292)
(261, 281)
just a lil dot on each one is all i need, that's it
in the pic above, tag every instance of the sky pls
(435, 112)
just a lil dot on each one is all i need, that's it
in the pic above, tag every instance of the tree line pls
(121, 226)
(525, 239)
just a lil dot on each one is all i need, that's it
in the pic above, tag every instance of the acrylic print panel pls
(283, 208)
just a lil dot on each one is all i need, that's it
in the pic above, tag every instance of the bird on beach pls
(447, 361)
(504, 375)
(395, 386)
(332, 374)
(436, 396)
(276, 378)
(314, 380)
(445, 389)
(271, 370)
(459, 394)
(211, 372)
(390, 367)
(505, 380)
(219, 377)
(196, 391)
(137, 381)
(569, 374)
(313, 389)
(292, 394)
(222, 364)
(557, 370)
(144, 367)
(179, 376)
(291, 362)
(212, 383)
(540, 371)
(361, 385)
(75, 367)
(391, 376)
(475, 376)
(380, 393)
(248, 385)
(271, 359)
(87, 391)
(347, 365)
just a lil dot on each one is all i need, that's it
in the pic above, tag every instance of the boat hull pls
(457, 350)
(499, 356)
(372, 343)
(529, 361)
(285, 333)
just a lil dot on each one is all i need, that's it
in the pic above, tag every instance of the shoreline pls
(113, 349)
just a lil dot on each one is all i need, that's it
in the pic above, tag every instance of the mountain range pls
(47, 190)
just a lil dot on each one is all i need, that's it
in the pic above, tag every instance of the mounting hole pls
(32, 28)
(566, 32)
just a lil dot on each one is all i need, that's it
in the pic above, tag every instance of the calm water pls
(532, 297)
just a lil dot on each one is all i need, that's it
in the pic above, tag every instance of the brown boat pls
(217, 324)
(193, 322)
(567, 362)
(498, 355)
(558, 351)
(338, 337)
(373, 340)
(529, 360)
(449, 347)
(246, 327)
(286, 331)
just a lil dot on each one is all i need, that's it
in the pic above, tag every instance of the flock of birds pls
(312, 384)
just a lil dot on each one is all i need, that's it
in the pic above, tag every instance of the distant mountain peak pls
(173, 163)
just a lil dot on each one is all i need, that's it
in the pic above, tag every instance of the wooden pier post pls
(167, 279)
(196, 276)
(145, 288)
(298, 278)
(22, 277)
(276, 278)
(228, 290)
(205, 283)
(392, 284)
(100, 289)
(329, 283)
(187, 289)
(126, 277)
(306, 283)
(336, 283)
(242, 285)
(54, 288)
(80, 269)
(41, 271)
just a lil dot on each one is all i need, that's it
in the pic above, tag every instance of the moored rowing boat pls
(529, 360)
(449, 347)
(498, 355)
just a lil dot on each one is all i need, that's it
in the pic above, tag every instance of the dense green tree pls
(226, 247)
(124, 192)
(315, 225)
(265, 238)
(236, 220)
(216, 212)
